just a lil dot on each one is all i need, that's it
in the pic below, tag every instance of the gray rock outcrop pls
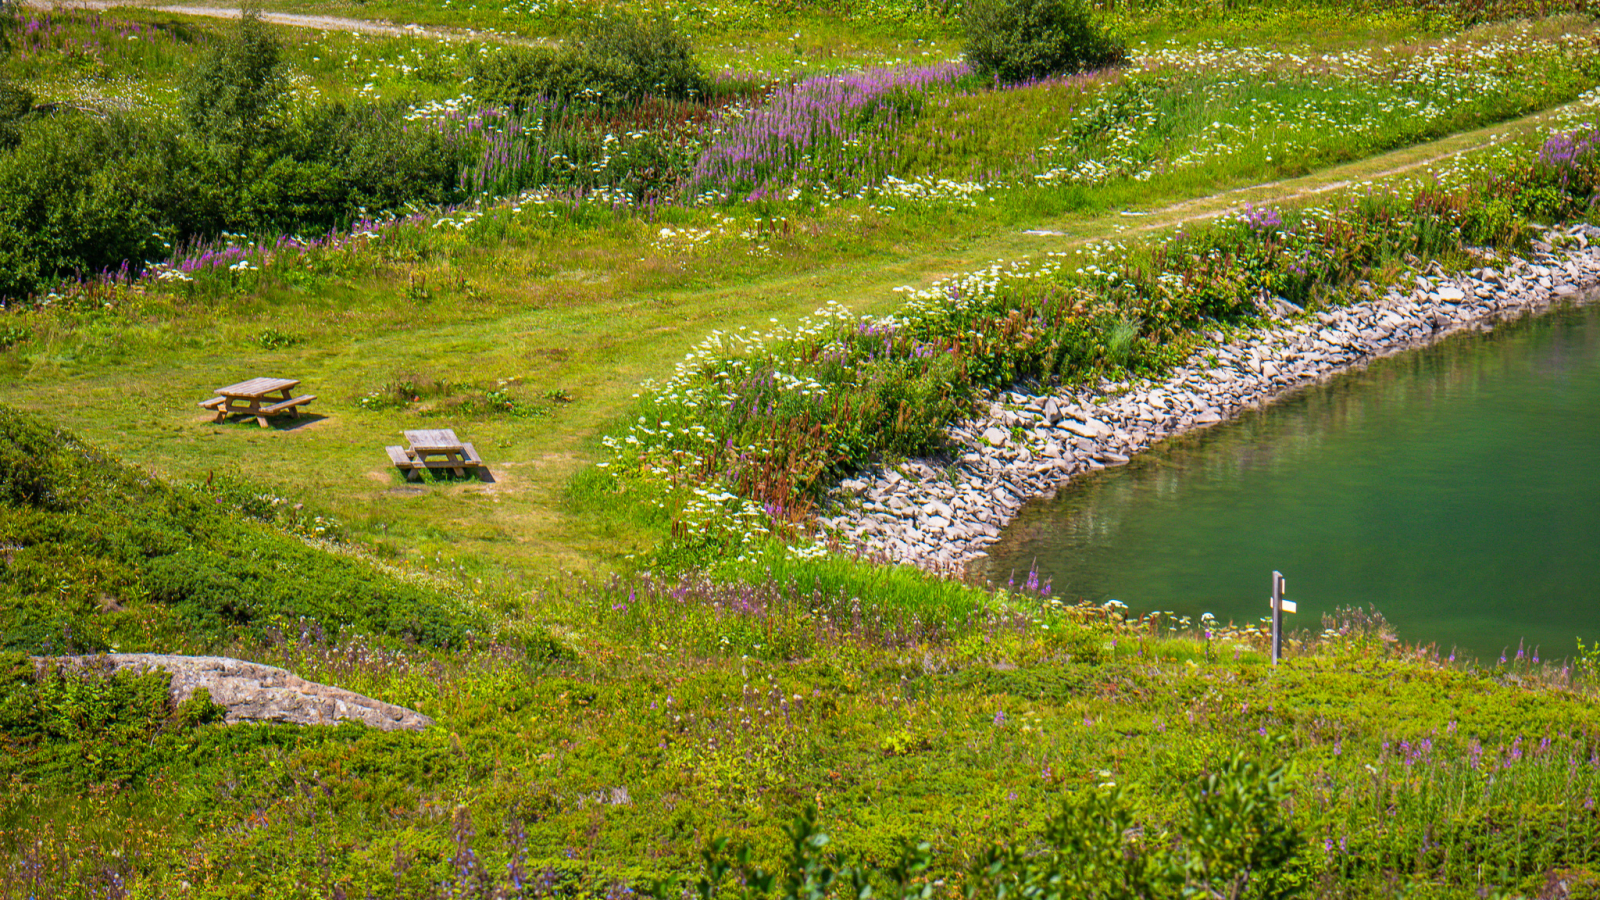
(251, 692)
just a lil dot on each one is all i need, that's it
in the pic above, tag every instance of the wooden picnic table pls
(434, 448)
(258, 398)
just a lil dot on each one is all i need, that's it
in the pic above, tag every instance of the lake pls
(1456, 488)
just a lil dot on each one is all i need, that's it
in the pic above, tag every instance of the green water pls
(1455, 488)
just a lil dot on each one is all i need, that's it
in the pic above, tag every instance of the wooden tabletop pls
(257, 387)
(433, 439)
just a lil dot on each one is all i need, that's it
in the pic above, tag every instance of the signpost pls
(1279, 607)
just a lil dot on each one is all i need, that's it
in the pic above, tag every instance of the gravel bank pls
(941, 514)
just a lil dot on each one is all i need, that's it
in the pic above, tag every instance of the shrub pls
(10, 21)
(624, 59)
(1236, 843)
(83, 194)
(333, 160)
(237, 91)
(1018, 40)
(15, 102)
(650, 57)
(515, 77)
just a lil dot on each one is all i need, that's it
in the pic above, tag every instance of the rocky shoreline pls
(941, 514)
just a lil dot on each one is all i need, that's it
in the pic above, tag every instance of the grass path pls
(587, 330)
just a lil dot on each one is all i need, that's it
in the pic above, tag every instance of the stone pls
(1089, 428)
(252, 692)
(994, 437)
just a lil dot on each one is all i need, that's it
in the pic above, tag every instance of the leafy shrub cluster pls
(87, 193)
(86, 724)
(94, 554)
(1022, 40)
(15, 102)
(82, 193)
(620, 59)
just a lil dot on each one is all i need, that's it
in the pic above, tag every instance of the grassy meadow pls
(670, 324)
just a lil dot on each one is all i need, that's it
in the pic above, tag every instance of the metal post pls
(1277, 616)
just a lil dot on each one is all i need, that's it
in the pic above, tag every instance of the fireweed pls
(867, 135)
(740, 443)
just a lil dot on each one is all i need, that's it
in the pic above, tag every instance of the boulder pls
(252, 692)
(1089, 428)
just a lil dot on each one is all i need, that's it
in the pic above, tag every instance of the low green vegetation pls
(100, 556)
(645, 678)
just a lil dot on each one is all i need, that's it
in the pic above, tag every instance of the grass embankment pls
(100, 556)
(693, 712)
(545, 302)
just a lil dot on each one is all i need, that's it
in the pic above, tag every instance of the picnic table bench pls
(434, 448)
(258, 398)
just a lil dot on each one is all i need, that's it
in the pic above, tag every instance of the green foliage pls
(649, 56)
(273, 339)
(199, 709)
(84, 194)
(12, 335)
(237, 92)
(335, 159)
(150, 560)
(1021, 40)
(15, 103)
(10, 22)
(618, 59)
(81, 724)
(1235, 844)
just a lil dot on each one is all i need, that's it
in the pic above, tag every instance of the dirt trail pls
(1290, 190)
(293, 20)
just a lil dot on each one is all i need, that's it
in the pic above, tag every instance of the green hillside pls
(99, 555)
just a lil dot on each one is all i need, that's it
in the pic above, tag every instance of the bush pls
(1018, 40)
(238, 91)
(1236, 843)
(81, 194)
(650, 58)
(623, 60)
(335, 159)
(10, 22)
(15, 102)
